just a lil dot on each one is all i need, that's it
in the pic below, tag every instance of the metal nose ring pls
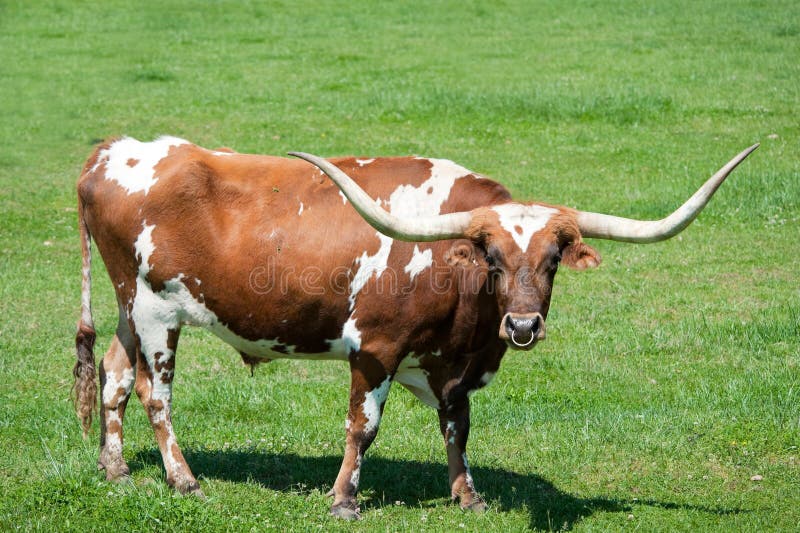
(522, 345)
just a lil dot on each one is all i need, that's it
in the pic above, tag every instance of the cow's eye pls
(491, 262)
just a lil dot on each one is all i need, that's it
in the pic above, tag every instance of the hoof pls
(116, 470)
(197, 493)
(345, 511)
(187, 487)
(477, 506)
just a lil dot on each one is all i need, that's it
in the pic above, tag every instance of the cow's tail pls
(85, 387)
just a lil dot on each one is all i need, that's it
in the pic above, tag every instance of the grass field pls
(671, 374)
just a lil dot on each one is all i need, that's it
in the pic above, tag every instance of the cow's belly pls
(174, 306)
(273, 348)
(415, 378)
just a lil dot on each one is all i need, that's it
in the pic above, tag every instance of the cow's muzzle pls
(522, 330)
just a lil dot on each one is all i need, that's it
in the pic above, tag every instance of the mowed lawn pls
(667, 395)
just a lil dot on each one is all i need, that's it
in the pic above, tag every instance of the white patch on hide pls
(419, 262)
(408, 201)
(415, 379)
(370, 265)
(155, 313)
(143, 156)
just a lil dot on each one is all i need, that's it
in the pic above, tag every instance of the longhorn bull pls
(266, 253)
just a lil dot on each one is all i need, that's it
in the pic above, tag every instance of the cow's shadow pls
(422, 484)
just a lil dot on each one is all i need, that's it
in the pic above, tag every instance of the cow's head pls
(521, 245)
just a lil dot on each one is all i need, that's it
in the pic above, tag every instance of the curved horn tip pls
(752, 148)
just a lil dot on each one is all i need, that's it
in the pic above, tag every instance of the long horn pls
(422, 229)
(602, 226)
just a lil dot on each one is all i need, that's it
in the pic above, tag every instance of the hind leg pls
(117, 371)
(156, 368)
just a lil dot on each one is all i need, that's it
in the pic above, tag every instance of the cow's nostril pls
(523, 330)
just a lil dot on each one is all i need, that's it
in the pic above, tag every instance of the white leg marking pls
(451, 429)
(113, 441)
(469, 481)
(355, 477)
(372, 404)
(113, 385)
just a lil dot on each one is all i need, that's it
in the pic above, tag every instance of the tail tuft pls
(85, 387)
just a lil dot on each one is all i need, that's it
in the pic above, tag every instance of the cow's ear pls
(580, 256)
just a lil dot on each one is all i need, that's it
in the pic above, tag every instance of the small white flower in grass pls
(757, 478)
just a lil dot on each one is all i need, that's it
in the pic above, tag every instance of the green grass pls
(670, 377)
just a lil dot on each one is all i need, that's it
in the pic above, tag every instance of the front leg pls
(454, 425)
(369, 387)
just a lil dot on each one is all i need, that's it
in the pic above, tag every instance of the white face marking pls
(419, 262)
(523, 221)
(113, 385)
(132, 163)
(372, 404)
(415, 379)
(300, 211)
(362, 162)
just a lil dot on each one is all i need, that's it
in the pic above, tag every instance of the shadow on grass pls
(384, 481)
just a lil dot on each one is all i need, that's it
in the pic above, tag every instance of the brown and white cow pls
(272, 257)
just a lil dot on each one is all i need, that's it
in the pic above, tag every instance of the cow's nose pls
(524, 329)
